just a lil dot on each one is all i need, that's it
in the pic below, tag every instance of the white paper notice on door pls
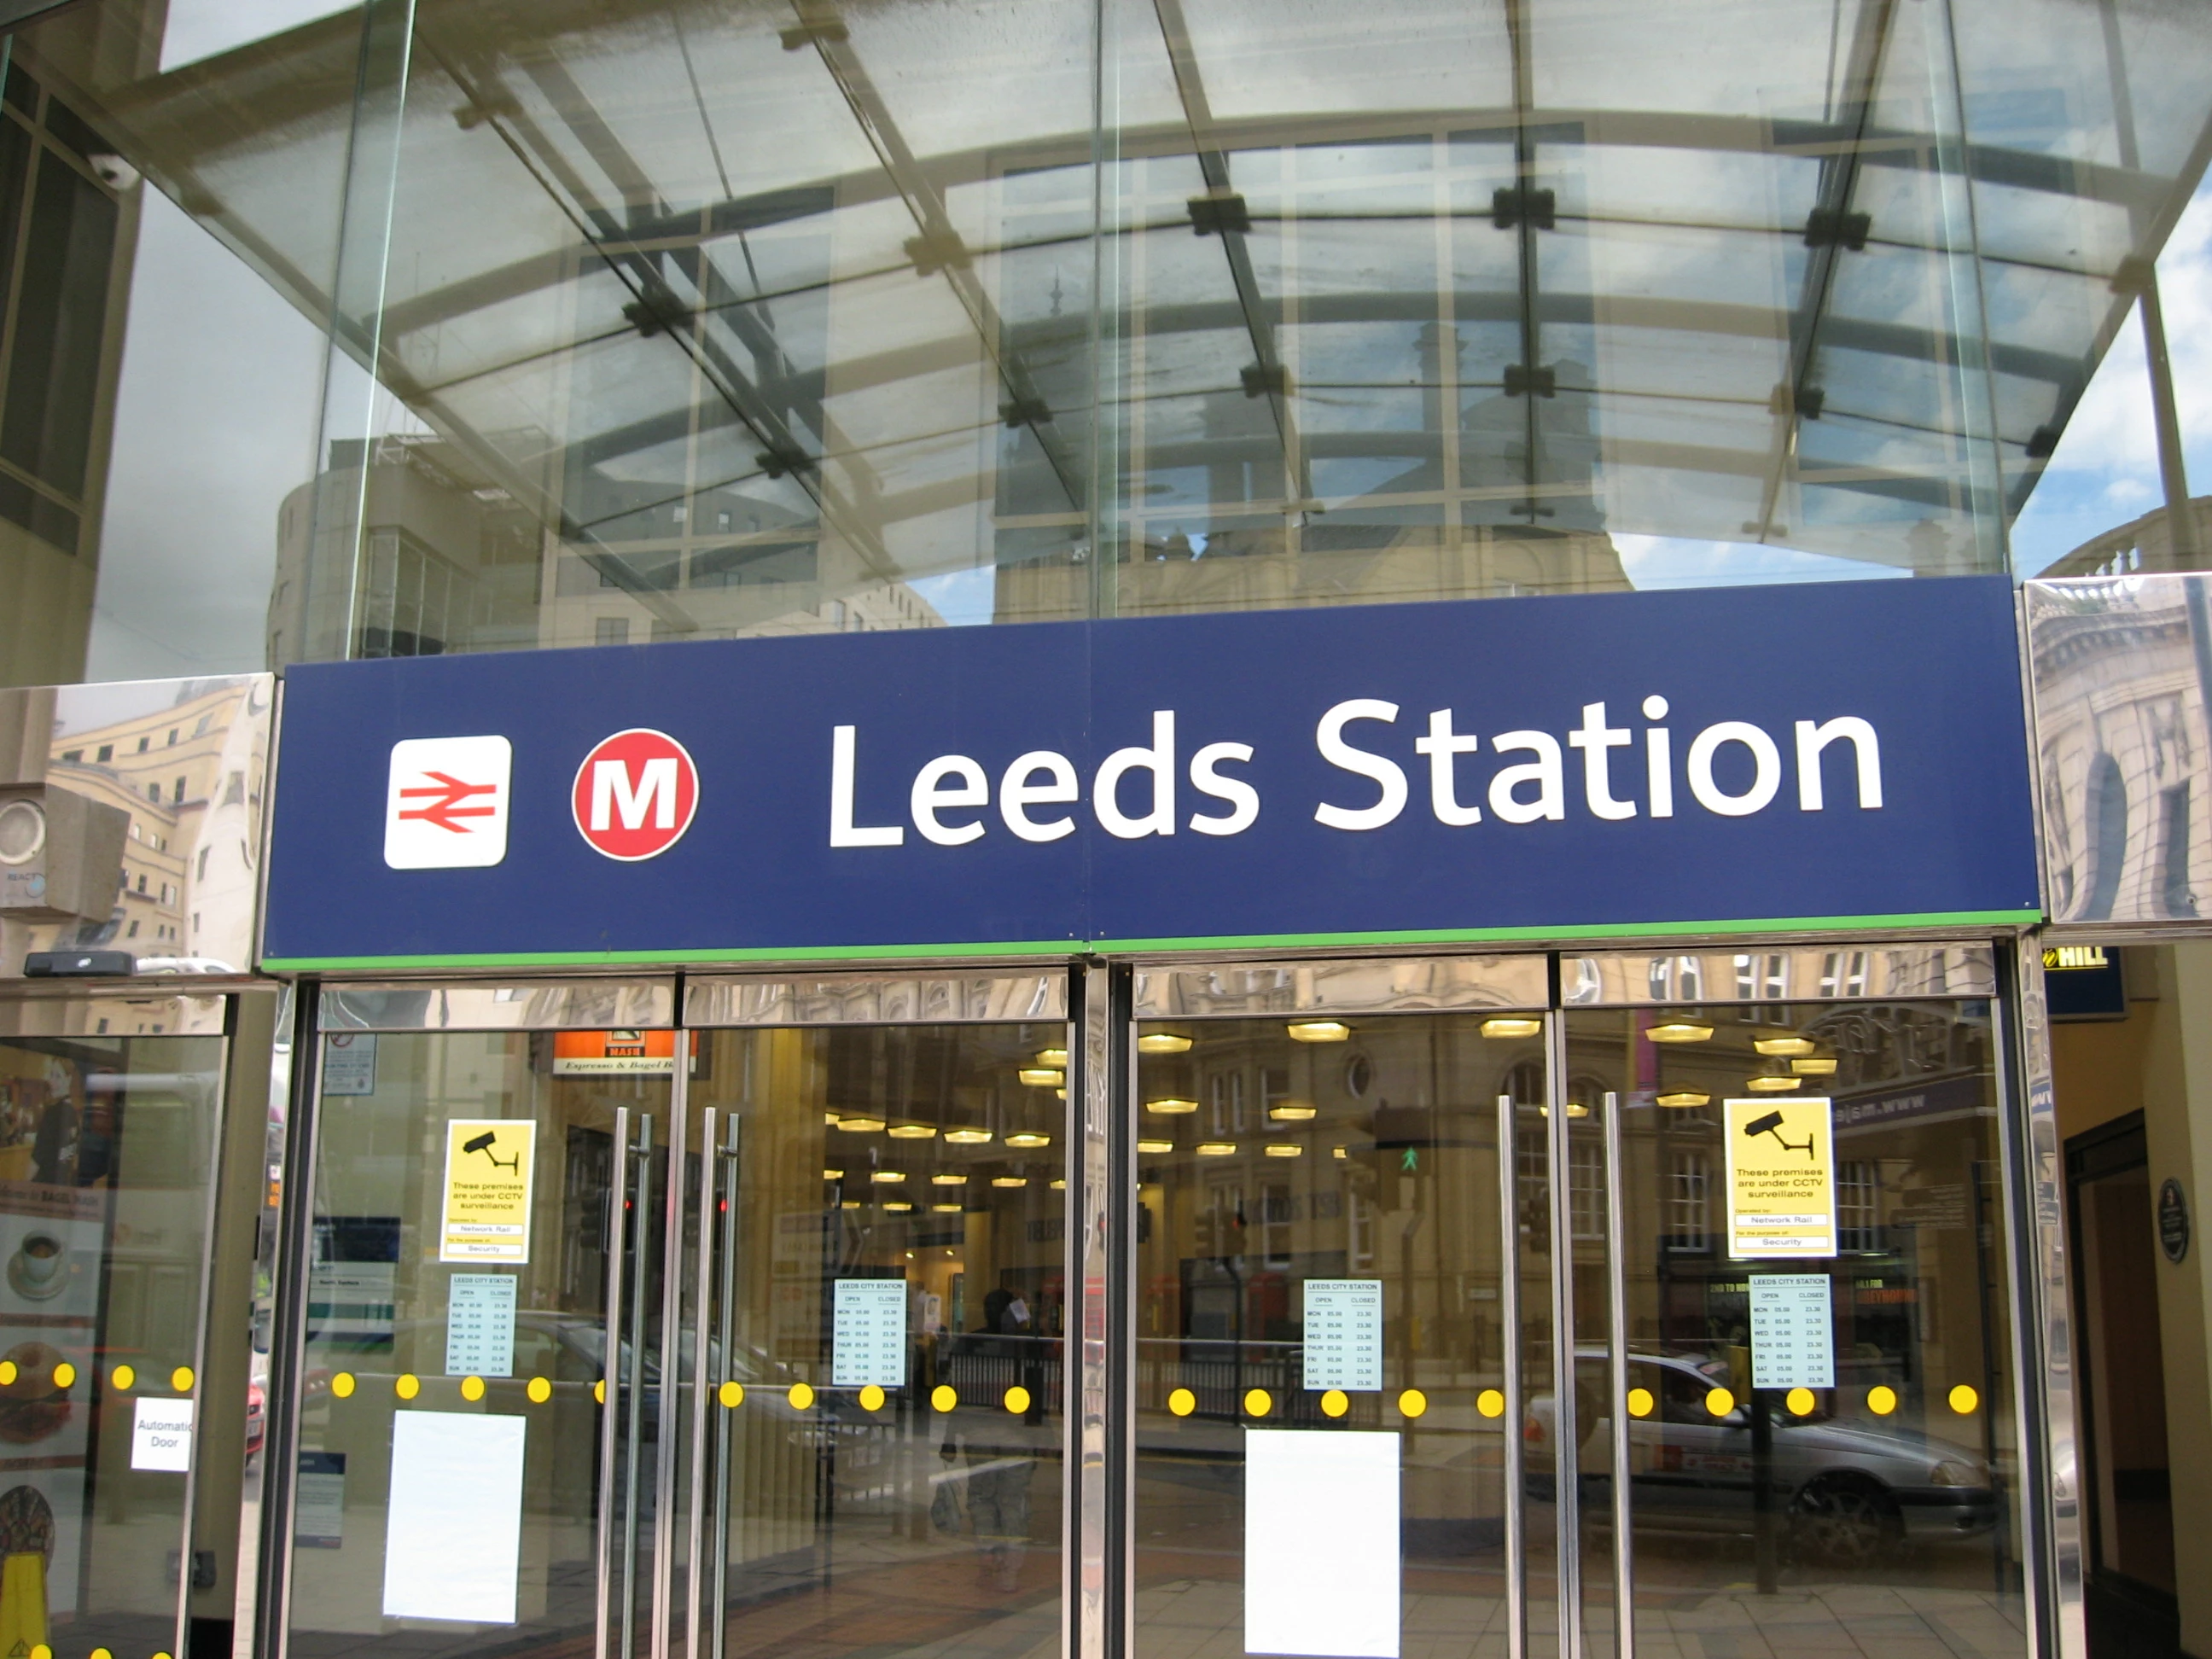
(452, 1536)
(1343, 1335)
(868, 1334)
(1322, 1563)
(480, 1325)
(1793, 1331)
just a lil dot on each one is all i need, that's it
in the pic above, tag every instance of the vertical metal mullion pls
(1616, 1334)
(1508, 1313)
(1566, 1431)
(1094, 1617)
(2043, 1364)
(671, 1327)
(217, 1140)
(703, 1294)
(636, 1184)
(611, 1381)
(280, 1455)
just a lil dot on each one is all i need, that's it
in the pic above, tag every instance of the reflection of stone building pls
(2144, 544)
(2119, 692)
(449, 559)
(190, 775)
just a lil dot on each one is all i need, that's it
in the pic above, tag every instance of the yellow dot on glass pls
(1639, 1402)
(123, 1376)
(1413, 1403)
(1881, 1399)
(408, 1386)
(801, 1396)
(1800, 1401)
(732, 1395)
(600, 1391)
(41, 1650)
(1017, 1399)
(1258, 1402)
(1963, 1400)
(872, 1398)
(1335, 1403)
(1182, 1403)
(181, 1379)
(64, 1374)
(341, 1386)
(472, 1388)
(1490, 1402)
(102, 1653)
(7, 1372)
(944, 1397)
(540, 1390)
(1720, 1402)
(160, 1655)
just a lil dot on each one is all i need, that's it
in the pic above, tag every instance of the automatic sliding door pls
(486, 1204)
(1821, 1446)
(1342, 1309)
(876, 1460)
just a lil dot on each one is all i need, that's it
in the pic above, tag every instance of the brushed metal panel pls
(876, 999)
(516, 1006)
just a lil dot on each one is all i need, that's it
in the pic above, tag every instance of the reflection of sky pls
(214, 423)
(1672, 562)
(963, 598)
(202, 28)
(2106, 470)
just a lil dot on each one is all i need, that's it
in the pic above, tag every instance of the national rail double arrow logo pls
(446, 803)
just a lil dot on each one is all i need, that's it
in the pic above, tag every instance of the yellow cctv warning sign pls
(488, 1164)
(1781, 1177)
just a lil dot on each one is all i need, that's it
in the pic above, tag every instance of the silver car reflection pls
(1849, 1493)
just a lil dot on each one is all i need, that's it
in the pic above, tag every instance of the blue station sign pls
(1836, 757)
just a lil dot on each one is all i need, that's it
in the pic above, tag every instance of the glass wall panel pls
(109, 1138)
(171, 194)
(903, 1493)
(1822, 1440)
(1325, 1333)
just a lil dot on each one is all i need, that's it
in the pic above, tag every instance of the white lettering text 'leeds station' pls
(1732, 769)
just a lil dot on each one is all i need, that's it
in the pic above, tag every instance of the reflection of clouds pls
(2105, 469)
(1654, 562)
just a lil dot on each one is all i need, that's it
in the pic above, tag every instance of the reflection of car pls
(1850, 1491)
(256, 1416)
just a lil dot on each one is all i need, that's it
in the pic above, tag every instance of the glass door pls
(1342, 1302)
(875, 1408)
(490, 1210)
(1791, 1297)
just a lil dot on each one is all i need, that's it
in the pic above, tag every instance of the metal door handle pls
(610, 1374)
(1509, 1314)
(703, 1290)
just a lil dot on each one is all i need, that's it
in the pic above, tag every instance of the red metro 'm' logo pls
(634, 794)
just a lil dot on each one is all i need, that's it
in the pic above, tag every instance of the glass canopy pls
(678, 320)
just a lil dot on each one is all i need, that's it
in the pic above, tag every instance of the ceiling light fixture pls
(1684, 1098)
(1285, 1151)
(1163, 1043)
(1292, 1111)
(914, 1132)
(1042, 1076)
(860, 1126)
(1156, 1146)
(1318, 1030)
(1512, 1025)
(1215, 1148)
(1780, 1046)
(1170, 1106)
(948, 1181)
(968, 1137)
(1029, 1137)
(1820, 1067)
(1010, 1181)
(1056, 1058)
(1680, 1030)
(1770, 1085)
